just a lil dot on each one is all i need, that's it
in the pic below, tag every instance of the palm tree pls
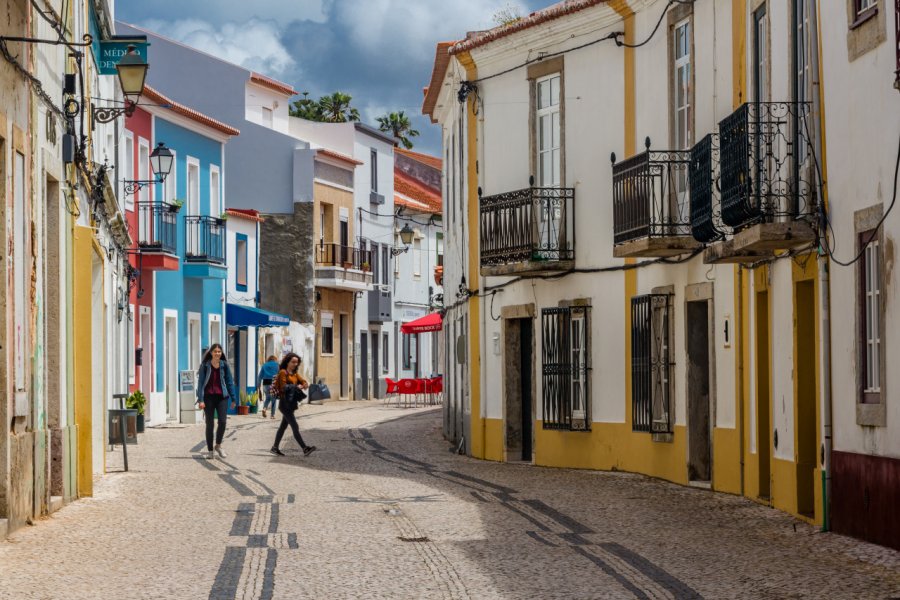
(336, 108)
(398, 125)
(306, 108)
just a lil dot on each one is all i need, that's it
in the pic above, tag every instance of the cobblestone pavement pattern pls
(383, 510)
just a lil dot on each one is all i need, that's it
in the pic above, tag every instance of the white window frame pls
(143, 169)
(865, 5)
(326, 316)
(385, 351)
(215, 191)
(578, 333)
(171, 182)
(195, 357)
(128, 163)
(553, 109)
(192, 200)
(267, 117)
(872, 378)
(131, 342)
(682, 67)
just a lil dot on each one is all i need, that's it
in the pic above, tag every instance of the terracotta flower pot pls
(243, 410)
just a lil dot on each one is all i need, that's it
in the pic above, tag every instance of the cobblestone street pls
(383, 510)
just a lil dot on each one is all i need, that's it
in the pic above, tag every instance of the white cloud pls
(254, 45)
(401, 27)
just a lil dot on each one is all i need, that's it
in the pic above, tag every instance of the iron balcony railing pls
(336, 255)
(706, 217)
(532, 224)
(650, 195)
(157, 227)
(765, 163)
(205, 239)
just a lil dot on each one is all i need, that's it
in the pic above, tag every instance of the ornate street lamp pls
(161, 160)
(132, 72)
(406, 236)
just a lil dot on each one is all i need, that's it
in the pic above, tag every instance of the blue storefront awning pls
(237, 315)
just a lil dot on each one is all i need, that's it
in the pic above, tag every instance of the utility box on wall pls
(380, 305)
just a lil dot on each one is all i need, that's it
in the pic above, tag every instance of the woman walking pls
(289, 375)
(215, 390)
(265, 378)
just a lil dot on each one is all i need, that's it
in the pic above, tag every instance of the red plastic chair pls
(411, 387)
(435, 389)
(393, 387)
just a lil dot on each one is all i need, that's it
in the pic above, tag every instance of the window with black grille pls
(566, 358)
(652, 365)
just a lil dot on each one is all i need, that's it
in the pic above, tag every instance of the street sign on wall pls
(112, 51)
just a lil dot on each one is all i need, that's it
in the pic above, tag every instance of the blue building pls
(188, 311)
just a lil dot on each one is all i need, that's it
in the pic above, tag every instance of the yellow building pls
(342, 269)
(660, 313)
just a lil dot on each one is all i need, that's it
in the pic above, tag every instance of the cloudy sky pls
(379, 51)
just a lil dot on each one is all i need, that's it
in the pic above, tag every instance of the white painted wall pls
(257, 98)
(862, 128)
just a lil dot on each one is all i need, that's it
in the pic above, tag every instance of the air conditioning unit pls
(376, 198)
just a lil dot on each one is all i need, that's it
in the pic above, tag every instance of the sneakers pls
(221, 452)
(276, 452)
(309, 450)
(209, 455)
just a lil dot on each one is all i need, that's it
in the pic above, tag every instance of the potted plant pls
(176, 205)
(253, 401)
(243, 404)
(366, 266)
(136, 401)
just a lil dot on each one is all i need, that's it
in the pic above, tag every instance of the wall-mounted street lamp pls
(132, 72)
(406, 236)
(161, 160)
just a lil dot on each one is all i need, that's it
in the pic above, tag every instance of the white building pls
(418, 269)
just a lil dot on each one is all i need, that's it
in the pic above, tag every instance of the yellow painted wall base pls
(726, 475)
(493, 439)
(83, 373)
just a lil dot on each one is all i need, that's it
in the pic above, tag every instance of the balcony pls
(528, 231)
(204, 247)
(343, 267)
(767, 179)
(157, 236)
(651, 204)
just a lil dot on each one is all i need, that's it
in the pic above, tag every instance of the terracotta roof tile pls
(273, 84)
(431, 161)
(190, 113)
(415, 190)
(338, 156)
(250, 214)
(550, 13)
(441, 60)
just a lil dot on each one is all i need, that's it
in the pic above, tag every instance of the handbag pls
(319, 391)
(291, 398)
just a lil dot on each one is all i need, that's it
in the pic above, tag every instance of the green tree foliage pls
(398, 125)
(334, 108)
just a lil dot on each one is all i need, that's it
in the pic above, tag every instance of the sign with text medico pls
(112, 51)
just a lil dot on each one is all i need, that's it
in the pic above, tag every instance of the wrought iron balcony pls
(651, 204)
(529, 230)
(706, 218)
(343, 267)
(205, 239)
(157, 227)
(765, 163)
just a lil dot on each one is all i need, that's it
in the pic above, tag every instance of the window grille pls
(651, 363)
(566, 358)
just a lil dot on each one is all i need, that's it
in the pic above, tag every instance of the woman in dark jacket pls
(215, 390)
(289, 375)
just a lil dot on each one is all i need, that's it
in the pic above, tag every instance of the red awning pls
(424, 324)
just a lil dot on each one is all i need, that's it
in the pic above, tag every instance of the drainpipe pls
(739, 339)
(824, 279)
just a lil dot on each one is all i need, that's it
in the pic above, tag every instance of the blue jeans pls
(269, 402)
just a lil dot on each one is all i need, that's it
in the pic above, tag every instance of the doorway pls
(763, 422)
(344, 357)
(698, 392)
(806, 397)
(146, 347)
(364, 365)
(374, 346)
(193, 341)
(170, 374)
(519, 382)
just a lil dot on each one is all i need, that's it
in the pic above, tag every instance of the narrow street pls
(383, 510)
